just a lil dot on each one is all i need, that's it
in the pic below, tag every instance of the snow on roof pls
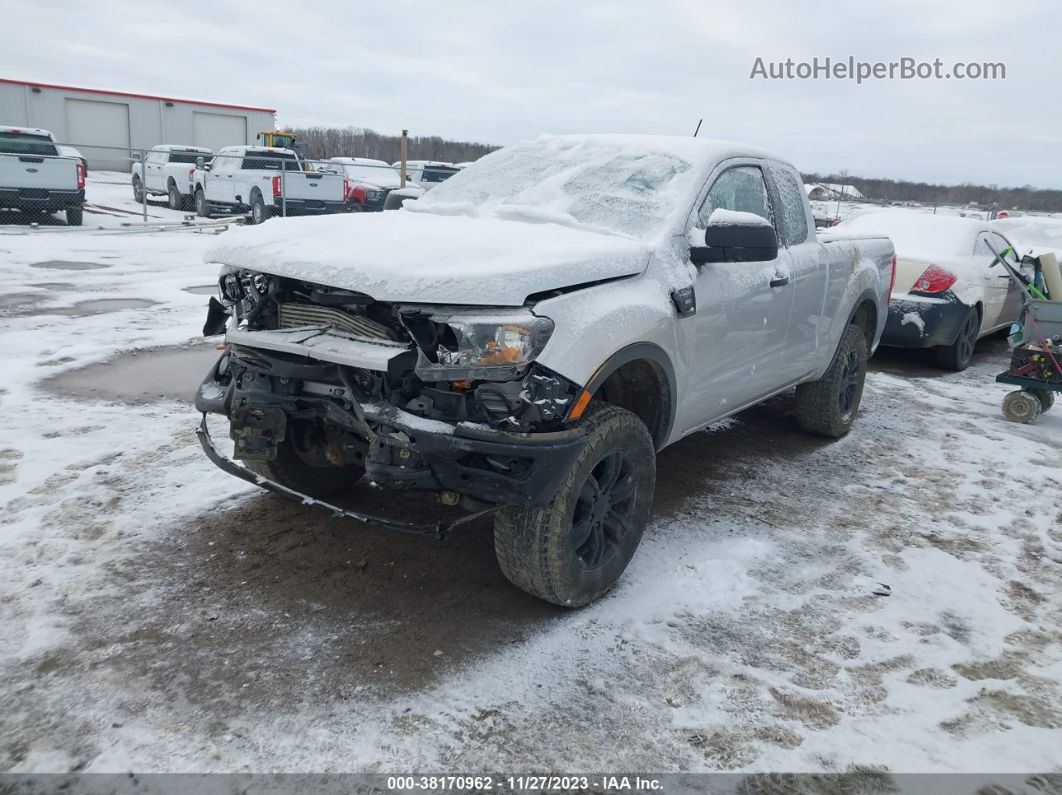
(916, 234)
(26, 130)
(179, 148)
(627, 185)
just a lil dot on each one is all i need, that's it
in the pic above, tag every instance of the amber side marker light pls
(580, 405)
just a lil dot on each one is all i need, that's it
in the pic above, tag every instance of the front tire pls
(74, 216)
(828, 407)
(202, 206)
(1022, 406)
(959, 354)
(573, 550)
(300, 465)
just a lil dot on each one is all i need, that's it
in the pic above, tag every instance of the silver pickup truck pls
(524, 338)
(36, 177)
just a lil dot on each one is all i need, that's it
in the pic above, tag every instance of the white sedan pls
(947, 292)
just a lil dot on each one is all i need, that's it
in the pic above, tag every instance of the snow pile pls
(1031, 232)
(723, 217)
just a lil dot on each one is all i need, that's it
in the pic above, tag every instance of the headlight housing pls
(471, 345)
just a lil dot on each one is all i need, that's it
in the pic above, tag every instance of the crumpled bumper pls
(406, 451)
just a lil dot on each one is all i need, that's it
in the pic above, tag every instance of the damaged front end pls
(446, 399)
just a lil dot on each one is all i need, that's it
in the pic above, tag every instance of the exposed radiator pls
(300, 315)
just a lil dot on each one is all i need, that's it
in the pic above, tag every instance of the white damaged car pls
(948, 292)
(524, 338)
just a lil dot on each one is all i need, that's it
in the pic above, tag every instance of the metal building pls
(102, 123)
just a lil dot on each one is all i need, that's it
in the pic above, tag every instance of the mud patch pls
(69, 265)
(137, 377)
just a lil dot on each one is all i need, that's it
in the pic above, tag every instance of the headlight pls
(480, 346)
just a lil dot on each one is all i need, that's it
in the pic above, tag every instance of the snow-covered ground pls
(156, 614)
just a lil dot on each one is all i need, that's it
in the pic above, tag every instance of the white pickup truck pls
(526, 336)
(167, 171)
(35, 177)
(264, 182)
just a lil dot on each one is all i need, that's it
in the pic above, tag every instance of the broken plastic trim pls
(438, 529)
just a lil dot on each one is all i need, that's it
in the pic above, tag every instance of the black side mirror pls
(736, 237)
(199, 163)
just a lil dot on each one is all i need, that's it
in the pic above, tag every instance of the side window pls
(794, 221)
(740, 188)
(1000, 244)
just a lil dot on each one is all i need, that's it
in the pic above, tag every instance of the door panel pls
(741, 320)
(995, 279)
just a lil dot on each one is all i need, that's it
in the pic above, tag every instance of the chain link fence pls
(120, 187)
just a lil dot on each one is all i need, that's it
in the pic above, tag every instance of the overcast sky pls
(505, 71)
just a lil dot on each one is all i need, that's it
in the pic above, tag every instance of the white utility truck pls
(167, 171)
(264, 182)
(36, 178)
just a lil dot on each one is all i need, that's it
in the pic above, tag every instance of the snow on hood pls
(427, 258)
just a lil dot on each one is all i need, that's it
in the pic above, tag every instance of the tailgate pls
(313, 186)
(39, 172)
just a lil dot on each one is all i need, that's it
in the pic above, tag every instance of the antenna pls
(698, 128)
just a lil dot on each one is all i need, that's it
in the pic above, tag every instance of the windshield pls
(606, 184)
(26, 144)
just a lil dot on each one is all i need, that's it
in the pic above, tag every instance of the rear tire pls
(959, 354)
(260, 213)
(1022, 406)
(174, 199)
(138, 190)
(299, 465)
(74, 216)
(573, 550)
(828, 407)
(202, 206)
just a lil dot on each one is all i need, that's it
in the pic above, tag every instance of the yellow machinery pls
(280, 139)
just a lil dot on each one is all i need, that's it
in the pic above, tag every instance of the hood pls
(426, 258)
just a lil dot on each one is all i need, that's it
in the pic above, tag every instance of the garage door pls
(215, 130)
(100, 130)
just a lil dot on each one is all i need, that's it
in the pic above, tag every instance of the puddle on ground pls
(54, 285)
(142, 376)
(69, 265)
(202, 289)
(20, 299)
(95, 306)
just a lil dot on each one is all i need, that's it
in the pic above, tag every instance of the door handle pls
(781, 281)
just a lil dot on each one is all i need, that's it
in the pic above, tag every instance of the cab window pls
(741, 189)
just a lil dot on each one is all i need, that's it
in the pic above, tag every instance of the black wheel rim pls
(968, 338)
(603, 511)
(846, 400)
